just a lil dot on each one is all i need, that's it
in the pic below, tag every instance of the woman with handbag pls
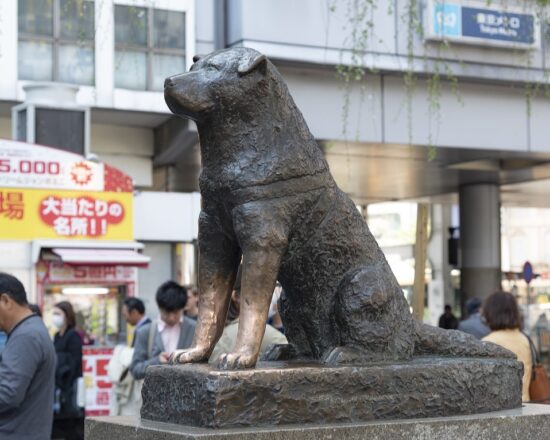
(501, 314)
(68, 418)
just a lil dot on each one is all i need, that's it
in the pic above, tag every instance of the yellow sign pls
(27, 214)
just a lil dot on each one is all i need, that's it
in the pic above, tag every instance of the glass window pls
(131, 70)
(35, 61)
(150, 45)
(76, 64)
(76, 20)
(22, 125)
(165, 66)
(169, 29)
(36, 17)
(130, 25)
(56, 40)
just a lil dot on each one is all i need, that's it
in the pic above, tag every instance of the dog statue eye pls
(212, 67)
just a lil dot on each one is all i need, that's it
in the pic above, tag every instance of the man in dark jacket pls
(27, 367)
(448, 320)
(133, 311)
(173, 331)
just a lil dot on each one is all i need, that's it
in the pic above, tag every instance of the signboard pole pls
(528, 276)
(420, 250)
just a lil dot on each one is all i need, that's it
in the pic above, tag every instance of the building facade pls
(485, 117)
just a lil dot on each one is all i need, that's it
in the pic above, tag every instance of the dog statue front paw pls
(236, 361)
(196, 354)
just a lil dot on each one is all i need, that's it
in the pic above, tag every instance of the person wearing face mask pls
(27, 367)
(68, 419)
(155, 342)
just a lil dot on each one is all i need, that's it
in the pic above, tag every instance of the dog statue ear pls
(197, 58)
(248, 65)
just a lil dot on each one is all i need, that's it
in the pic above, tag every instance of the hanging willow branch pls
(359, 16)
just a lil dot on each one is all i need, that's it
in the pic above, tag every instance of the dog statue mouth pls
(174, 102)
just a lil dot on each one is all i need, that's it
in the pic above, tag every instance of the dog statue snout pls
(169, 82)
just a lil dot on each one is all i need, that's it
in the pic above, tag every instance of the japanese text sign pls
(466, 22)
(96, 381)
(26, 214)
(24, 165)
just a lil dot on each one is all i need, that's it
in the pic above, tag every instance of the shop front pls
(74, 219)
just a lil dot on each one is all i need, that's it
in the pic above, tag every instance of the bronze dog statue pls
(268, 197)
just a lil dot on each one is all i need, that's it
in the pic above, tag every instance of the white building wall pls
(319, 32)
(479, 116)
(204, 28)
(160, 270)
(15, 259)
(102, 94)
(164, 216)
(130, 149)
(8, 50)
(309, 32)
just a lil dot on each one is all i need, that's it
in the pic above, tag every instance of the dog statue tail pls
(436, 341)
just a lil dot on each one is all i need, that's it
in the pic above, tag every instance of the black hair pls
(67, 308)
(35, 309)
(12, 287)
(473, 305)
(171, 296)
(135, 304)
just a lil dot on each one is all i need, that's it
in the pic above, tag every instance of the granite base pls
(282, 394)
(529, 422)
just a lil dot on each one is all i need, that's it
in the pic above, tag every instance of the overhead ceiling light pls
(85, 291)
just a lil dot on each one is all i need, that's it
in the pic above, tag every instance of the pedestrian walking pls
(501, 313)
(27, 367)
(133, 311)
(448, 321)
(474, 324)
(68, 417)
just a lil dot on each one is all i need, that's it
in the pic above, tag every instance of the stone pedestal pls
(278, 394)
(529, 422)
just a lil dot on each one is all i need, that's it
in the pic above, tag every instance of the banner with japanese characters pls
(26, 214)
(24, 165)
(98, 387)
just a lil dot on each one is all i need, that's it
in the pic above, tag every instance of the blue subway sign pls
(465, 23)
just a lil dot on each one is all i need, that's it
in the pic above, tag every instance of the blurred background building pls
(86, 77)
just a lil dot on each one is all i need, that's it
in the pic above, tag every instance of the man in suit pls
(173, 331)
(133, 311)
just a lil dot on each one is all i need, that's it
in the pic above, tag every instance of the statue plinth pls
(281, 394)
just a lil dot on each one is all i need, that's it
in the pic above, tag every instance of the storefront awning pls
(91, 257)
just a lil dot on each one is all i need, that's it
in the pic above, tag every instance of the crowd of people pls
(39, 377)
(155, 340)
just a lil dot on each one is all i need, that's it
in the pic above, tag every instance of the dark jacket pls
(141, 324)
(27, 367)
(474, 326)
(68, 348)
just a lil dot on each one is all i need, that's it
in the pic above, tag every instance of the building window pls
(150, 45)
(56, 40)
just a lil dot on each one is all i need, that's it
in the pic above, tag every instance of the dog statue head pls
(222, 81)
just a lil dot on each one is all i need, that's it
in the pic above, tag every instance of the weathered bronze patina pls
(277, 394)
(268, 197)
